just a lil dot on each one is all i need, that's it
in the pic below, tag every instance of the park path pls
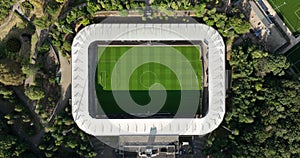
(31, 106)
(11, 13)
(65, 83)
(27, 102)
(65, 69)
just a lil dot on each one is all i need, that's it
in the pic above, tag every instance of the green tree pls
(67, 46)
(263, 108)
(5, 92)
(10, 145)
(64, 131)
(123, 13)
(52, 7)
(92, 7)
(42, 22)
(5, 8)
(44, 48)
(6, 145)
(10, 73)
(276, 64)
(34, 93)
(29, 69)
(239, 25)
(59, 1)
(200, 10)
(84, 21)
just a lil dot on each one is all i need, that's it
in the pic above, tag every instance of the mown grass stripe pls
(163, 74)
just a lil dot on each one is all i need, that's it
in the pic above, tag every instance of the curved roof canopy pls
(147, 32)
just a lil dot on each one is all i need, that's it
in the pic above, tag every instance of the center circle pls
(147, 79)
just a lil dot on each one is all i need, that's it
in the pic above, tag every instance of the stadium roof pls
(146, 32)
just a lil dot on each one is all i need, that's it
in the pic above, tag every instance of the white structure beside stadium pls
(147, 32)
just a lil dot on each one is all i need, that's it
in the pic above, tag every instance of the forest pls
(262, 116)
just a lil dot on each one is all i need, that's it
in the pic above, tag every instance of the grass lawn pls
(294, 57)
(289, 11)
(145, 75)
(149, 73)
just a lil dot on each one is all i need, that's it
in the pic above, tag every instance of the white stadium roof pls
(147, 32)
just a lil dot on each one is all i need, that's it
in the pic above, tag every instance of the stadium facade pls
(82, 92)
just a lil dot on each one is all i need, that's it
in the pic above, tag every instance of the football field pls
(149, 73)
(294, 57)
(289, 11)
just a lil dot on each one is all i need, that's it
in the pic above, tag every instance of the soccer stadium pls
(151, 80)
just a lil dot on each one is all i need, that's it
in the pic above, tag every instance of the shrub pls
(34, 93)
(44, 48)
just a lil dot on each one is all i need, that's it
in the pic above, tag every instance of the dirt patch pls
(51, 60)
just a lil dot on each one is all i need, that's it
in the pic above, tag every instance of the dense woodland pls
(262, 108)
(262, 116)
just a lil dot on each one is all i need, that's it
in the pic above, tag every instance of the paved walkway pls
(65, 83)
(30, 104)
(65, 68)
(15, 7)
(17, 128)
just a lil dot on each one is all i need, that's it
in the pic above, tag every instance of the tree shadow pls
(22, 32)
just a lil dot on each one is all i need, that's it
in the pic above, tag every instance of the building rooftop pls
(147, 32)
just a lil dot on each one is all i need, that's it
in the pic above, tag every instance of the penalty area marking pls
(297, 12)
(103, 78)
(295, 66)
(277, 8)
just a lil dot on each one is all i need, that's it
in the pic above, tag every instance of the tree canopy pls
(10, 145)
(263, 107)
(34, 93)
(5, 8)
(10, 73)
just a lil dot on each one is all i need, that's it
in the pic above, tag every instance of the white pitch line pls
(284, 3)
(292, 52)
(289, 23)
(297, 62)
(274, 4)
(295, 67)
(297, 14)
(284, 18)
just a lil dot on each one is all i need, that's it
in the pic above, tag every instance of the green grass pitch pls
(149, 73)
(289, 11)
(294, 57)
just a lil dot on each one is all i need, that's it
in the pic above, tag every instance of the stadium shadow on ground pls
(113, 111)
(143, 77)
